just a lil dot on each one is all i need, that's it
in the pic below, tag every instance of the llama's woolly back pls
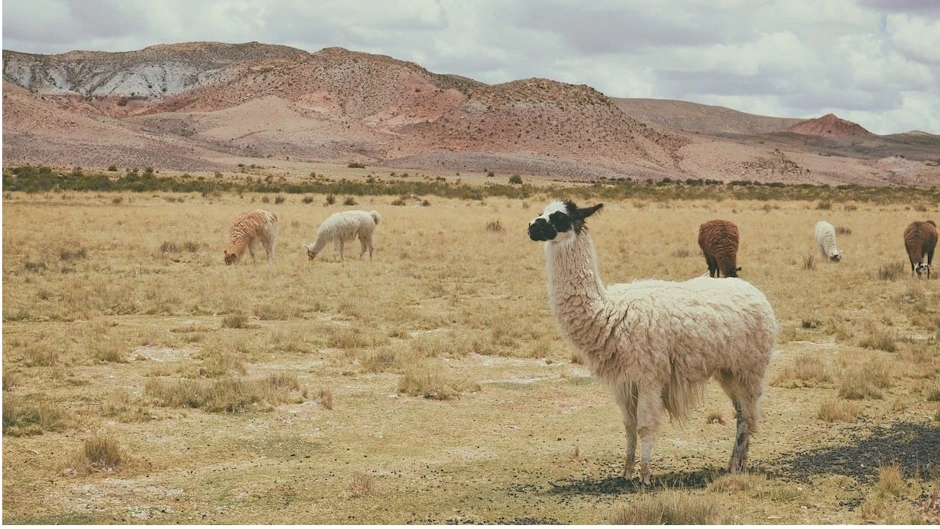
(697, 326)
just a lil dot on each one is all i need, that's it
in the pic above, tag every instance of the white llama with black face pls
(656, 343)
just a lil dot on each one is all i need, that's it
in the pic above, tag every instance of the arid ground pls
(146, 382)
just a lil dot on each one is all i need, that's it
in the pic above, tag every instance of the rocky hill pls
(211, 106)
(829, 125)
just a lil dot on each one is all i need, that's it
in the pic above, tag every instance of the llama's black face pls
(559, 221)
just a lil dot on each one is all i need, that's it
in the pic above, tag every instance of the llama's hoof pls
(736, 467)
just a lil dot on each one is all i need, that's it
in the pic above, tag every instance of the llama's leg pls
(712, 267)
(362, 248)
(745, 395)
(268, 249)
(340, 249)
(625, 395)
(252, 249)
(649, 411)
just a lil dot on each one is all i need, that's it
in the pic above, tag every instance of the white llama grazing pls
(248, 230)
(826, 239)
(345, 226)
(656, 343)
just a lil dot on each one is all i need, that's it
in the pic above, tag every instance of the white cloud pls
(917, 37)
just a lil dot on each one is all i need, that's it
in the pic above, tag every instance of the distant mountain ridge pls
(202, 105)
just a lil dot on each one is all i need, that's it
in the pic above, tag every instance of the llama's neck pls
(319, 243)
(577, 297)
(238, 246)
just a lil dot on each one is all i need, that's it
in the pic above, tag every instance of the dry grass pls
(806, 371)
(360, 485)
(669, 508)
(436, 368)
(809, 262)
(235, 321)
(428, 380)
(891, 271)
(229, 395)
(31, 415)
(832, 410)
(866, 381)
(101, 452)
(326, 399)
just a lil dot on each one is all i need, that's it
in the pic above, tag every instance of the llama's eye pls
(560, 221)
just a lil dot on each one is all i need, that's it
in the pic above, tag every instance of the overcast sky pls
(874, 62)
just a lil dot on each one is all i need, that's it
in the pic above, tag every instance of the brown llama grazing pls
(248, 230)
(654, 343)
(718, 240)
(920, 239)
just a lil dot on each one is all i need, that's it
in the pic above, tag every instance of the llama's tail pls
(376, 217)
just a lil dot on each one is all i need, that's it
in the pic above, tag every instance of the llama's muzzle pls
(541, 230)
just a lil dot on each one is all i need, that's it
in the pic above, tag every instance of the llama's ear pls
(584, 213)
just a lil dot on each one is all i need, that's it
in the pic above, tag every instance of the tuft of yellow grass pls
(32, 415)
(866, 381)
(669, 508)
(360, 485)
(326, 399)
(101, 452)
(714, 417)
(890, 480)
(222, 395)
(807, 370)
(235, 321)
(426, 379)
(832, 410)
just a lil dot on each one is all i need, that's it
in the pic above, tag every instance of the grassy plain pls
(146, 382)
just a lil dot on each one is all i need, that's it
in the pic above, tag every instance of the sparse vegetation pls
(31, 415)
(832, 410)
(227, 394)
(669, 508)
(809, 262)
(235, 321)
(99, 453)
(494, 226)
(891, 271)
(447, 333)
(360, 485)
